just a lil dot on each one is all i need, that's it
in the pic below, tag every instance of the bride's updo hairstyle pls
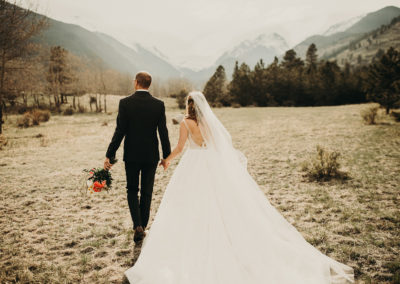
(191, 110)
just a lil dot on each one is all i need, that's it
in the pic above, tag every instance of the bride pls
(214, 224)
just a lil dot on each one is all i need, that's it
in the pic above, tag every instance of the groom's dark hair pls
(143, 79)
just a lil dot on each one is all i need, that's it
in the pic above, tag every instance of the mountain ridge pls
(329, 44)
(135, 57)
(115, 54)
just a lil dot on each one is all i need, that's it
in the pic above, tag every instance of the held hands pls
(165, 163)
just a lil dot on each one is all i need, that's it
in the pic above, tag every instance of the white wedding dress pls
(215, 226)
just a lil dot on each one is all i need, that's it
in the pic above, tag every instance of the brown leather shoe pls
(139, 234)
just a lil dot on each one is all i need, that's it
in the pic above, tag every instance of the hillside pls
(94, 45)
(365, 49)
(330, 44)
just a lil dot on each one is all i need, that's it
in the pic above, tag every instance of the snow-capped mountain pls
(250, 51)
(265, 46)
(342, 26)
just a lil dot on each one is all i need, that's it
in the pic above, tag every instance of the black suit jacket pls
(139, 117)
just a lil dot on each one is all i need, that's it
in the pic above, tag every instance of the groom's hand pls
(165, 164)
(162, 162)
(107, 164)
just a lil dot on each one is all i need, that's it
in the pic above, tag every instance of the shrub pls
(45, 116)
(369, 114)
(236, 105)
(217, 105)
(55, 109)
(323, 166)
(3, 141)
(396, 115)
(39, 116)
(68, 111)
(25, 120)
(181, 99)
(33, 117)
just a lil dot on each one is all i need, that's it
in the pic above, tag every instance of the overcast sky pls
(196, 32)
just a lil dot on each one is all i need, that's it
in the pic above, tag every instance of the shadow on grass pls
(136, 252)
(337, 177)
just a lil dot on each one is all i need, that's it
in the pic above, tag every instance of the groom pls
(139, 117)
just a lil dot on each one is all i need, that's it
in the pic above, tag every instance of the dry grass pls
(51, 232)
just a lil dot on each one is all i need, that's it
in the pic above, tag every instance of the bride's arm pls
(183, 135)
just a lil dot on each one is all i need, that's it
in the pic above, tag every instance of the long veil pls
(236, 181)
(214, 133)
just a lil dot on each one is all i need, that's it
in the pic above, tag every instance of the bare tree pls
(103, 83)
(124, 84)
(17, 27)
(175, 85)
(30, 80)
(79, 72)
(59, 75)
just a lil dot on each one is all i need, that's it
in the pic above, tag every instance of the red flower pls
(98, 186)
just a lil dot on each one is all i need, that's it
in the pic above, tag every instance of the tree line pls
(33, 75)
(51, 77)
(313, 82)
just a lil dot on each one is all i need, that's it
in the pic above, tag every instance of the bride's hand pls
(165, 163)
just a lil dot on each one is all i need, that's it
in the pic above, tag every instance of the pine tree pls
(215, 88)
(292, 79)
(234, 85)
(311, 83)
(330, 81)
(311, 58)
(273, 83)
(383, 83)
(259, 84)
(290, 60)
(240, 86)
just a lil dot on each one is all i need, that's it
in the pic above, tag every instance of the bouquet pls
(98, 179)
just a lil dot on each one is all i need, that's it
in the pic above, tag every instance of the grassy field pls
(53, 232)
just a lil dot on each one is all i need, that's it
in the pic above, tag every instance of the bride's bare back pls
(194, 131)
(188, 130)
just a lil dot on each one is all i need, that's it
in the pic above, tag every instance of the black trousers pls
(140, 208)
